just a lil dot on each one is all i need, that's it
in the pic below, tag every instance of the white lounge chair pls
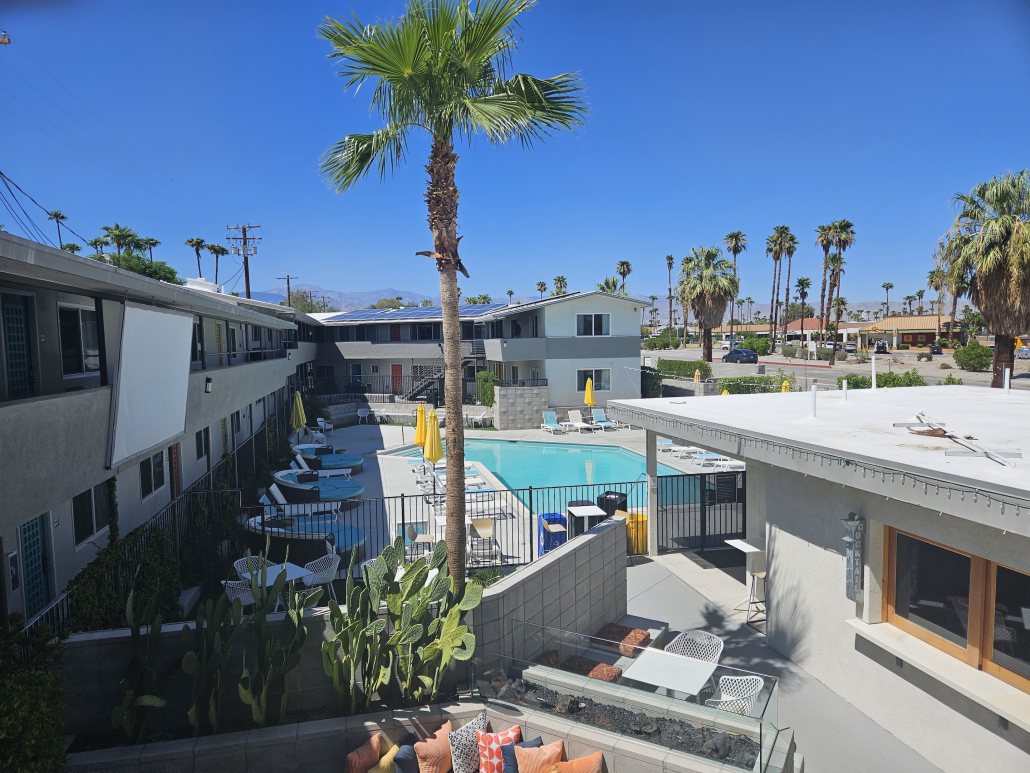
(551, 423)
(301, 464)
(576, 421)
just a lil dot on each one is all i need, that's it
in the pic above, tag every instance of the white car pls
(1023, 353)
(725, 347)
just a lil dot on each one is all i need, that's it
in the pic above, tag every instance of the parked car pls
(936, 349)
(741, 355)
(1023, 353)
(851, 348)
(881, 347)
(725, 347)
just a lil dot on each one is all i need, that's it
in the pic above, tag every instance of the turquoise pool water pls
(521, 464)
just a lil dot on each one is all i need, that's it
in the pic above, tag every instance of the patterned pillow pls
(464, 747)
(365, 756)
(511, 765)
(490, 757)
(540, 760)
(434, 753)
(589, 764)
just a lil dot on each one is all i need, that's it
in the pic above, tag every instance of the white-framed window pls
(80, 347)
(151, 474)
(374, 369)
(91, 512)
(203, 443)
(602, 378)
(355, 369)
(593, 324)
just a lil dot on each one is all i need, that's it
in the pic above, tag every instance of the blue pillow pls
(405, 760)
(511, 765)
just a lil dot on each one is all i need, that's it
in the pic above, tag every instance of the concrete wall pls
(578, 587)
(808, 610)
(519, 407)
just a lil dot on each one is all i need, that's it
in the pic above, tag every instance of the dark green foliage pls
(903, 347)
(974, 356)
(650, 382)
(924, 357)
(909, 378)
(485, 387)
(485, 577)
(315, 409)
(684, 368)
(790, 351)
(662, 342)
(759, 346)
(207, 648)
(140, 264)
(950, 381)
(748, 385)
(31, 730)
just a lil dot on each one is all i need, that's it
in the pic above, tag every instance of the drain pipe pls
(873, 360)
(815, 389)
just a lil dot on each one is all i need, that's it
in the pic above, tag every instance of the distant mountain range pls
(344, 301)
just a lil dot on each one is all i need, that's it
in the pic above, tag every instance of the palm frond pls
(355, 155)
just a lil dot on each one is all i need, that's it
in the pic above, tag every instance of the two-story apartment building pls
(105, 374)
(564, 340)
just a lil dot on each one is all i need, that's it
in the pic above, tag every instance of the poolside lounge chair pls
(325, 426)
(472, 421)
(551, 423)
(300, 464)
(602, 421)
(576, 421)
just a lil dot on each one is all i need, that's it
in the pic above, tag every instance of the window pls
(496, 328)
(365, 333)
(1008, 629)
(593, 324)
(232, 341)
(343, 333)
(932, 588)
(234, 422)
(428, 331)
(466, 331)
(355, 370)
(374, 369)
(203, 443)
(602, 378)
(80, 349)
(151, 474)
(91, 511)
(325, 371)
(534, 326)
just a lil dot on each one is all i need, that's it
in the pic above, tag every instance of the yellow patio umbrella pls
(420, 425)
(297, 418)
(588, 398)
(433, 450)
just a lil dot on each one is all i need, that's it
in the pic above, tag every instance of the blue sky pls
(706, 118)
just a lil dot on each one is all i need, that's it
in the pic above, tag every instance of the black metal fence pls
(701, 510)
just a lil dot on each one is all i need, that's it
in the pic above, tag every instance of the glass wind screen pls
(1011, 621)
(90, 344)
(71, 343)
(932, 588)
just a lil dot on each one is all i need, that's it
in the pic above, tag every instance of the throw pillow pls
(539, 760)
(405, 760)
(490, 757)
(365, 756)
(434, 753)
(385, 764)
(464, 747)
(589, 764)
(511, 765)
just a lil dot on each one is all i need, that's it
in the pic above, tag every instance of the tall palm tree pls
(740, 310)
(71, 247)
(706, 278)
(949, 258)
(623, 268)
(909, 299)
(919, 295)
(509, 294)
(560, 285)
(840, 307)
(120, 236)
(803, 285)
(610, 285)
(750, 305)
(735, 243)
(98, 244)
(148, 244)
(58, 217)
(824, 238)
(197, 244)
(937, 280)
(843, 239)
(669, 262)
(541, 287)
(218, 251)
(835, 266)
(774, 245)
(887, 286)
(790, 245)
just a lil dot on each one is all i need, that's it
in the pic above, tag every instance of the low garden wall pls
(519, 407)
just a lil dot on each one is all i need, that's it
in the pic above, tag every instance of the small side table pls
(751, 547)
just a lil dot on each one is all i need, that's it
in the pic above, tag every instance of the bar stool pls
(753, 600)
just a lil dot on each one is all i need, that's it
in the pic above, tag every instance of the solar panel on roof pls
(413, 312)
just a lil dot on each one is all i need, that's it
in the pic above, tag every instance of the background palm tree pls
(149, 244)
(58, 217)
(887, 287)
(909, 299)
(218, 251)
(706, 278)
(840, 308)
(824, 239)
(197, 244)
(774, 246)
(120, 236)
(843, 239)
(98, 244)
(740, 310)
(541, 287)
(937, 280)
(750, 305)
(669, 262)
(509, 294)
(610, 285)
(560, 285)
(804, 284)
(71, 247)
(919, 295)
(623, 268)
(735, 243)
(790, 245)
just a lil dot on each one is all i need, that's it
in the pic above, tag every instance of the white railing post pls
(872, 359)
(815, 390)
(844, 386)
(1008, 379)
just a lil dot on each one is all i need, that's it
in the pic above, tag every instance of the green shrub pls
(900, 347)
(650, 382)
(909, 378)
(974, 356)
(950, 381)
(822, 354)
(661, 342)
(749, 385)
(485, 387)
(861, 356)
(924, 357)
(31, 730)
(759, 346)
(684, 368)
(314, 409)
(790, 351)
(841, 356)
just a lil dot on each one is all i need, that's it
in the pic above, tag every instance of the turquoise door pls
(35, 565)
(17, 351)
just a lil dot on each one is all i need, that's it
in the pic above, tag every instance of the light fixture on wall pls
(208, 385)
(289, 355)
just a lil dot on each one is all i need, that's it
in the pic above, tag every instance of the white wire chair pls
(323, 572)
(244, 569)
(697, 644)
(238, 589)
(737, 694)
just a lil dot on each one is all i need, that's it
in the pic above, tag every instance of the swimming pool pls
(519, 464)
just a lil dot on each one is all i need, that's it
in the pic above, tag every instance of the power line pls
(42, 237)
(7, 179)
(238, 245)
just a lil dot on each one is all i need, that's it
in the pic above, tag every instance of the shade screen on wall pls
(153, 380)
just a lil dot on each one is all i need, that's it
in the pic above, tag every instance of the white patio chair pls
(472, 421)
(419, 542)
(577, 423)
(325, 426)
(238, 589)
(482, 546)
(277, 495)
(737, 694)
(697, 644)
(364, 414)
(245, 567)
(323, 572)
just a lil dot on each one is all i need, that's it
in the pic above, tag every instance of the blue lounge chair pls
(551, 423)
(602, 421)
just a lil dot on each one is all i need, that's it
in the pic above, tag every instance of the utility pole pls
(287, 278)
(324, 304)
(243, 245)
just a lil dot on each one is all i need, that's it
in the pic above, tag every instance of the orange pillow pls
(490, 758)
(434, 753)
(539, 760)
(364, 757)
(589, 764)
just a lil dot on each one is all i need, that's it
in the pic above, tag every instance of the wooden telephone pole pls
(288, 294)
(243, 245)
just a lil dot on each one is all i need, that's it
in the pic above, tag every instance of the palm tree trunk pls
(669, 328)
(786, 302)
(200, 273)
(772, 309)
(954, 311)
(733, 338)
(822, 297)
(60, 241)
(442, 203)
(1004, 357)
(216, 270)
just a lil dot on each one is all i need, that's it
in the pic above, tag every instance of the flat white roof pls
(861, 428)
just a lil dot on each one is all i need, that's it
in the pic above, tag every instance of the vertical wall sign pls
(855, 530)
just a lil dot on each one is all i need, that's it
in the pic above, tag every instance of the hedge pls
(650, 382)
(661, 343)
(684, 368)
(974, 356)
(789, 351)
(904, 346)
(909, 378)
(759, 346)
(748, 385)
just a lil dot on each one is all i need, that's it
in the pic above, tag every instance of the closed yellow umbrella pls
(297, 418)
(588, 398)
(433, 450)
(420, 425)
